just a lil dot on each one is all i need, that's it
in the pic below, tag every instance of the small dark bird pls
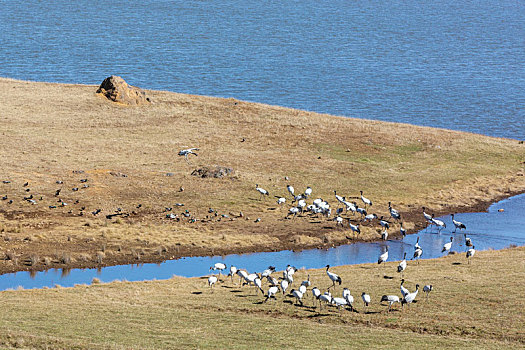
(181, 189)
(96, 211)
(74, 189)
(28, 189)
(83, 180)
(52, 206)
(26, 184)
(139, 206)
(57, 193)
(4, 197)
(10, 201)
(59, 182)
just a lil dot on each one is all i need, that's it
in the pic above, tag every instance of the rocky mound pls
(117, 90)
(217, 172)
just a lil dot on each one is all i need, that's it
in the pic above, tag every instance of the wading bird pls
(218, 266)
(427, 289)
(365, 200)
(410, 297)
(383, 257)
(187, 152)
(403, 264)
(470, 253)
(402, 230)
(297, 295)
(333, 277)
(272, 291)
(391, 299)
(404, 291)
(458, 224)
(447, 246)
(212, 280)
(261, 190)
(366, 299)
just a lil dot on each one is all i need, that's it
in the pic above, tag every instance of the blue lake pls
(456, 65)
(489, 230)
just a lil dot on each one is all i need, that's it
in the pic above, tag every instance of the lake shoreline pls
(482, 206)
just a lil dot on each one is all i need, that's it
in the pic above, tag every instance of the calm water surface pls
(491, 230)
(457, 65)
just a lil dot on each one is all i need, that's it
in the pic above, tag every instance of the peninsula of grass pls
(473, 306)
(128, 154)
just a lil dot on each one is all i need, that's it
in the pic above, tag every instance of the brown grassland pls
(476, 306)
(54, 132)
(64, 132)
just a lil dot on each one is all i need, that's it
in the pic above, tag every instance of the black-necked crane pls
(268, 271)
(291, 190)
(393, 213)
(339, 198)
(403, 264)
(458, 224)
(302, 289)
(410, 297)
(355, 228)
(447, 246)
(361, 211)
(272, 291)
(350, 207)
(333, 277)
(306, 282)
(308, 192)
(338, 221)
(233, 271)
(439, 224)
(242, 275)
(326, 297)
(370, 217)
(258, 284)
(384, 223)
(468, 241)
(365, 200)
(187, 152)
(337, 301)
(284, 285)
(293, 211)
(280, 200)
(417, 254)
(427, 289)
(417, 246)
(272, 280)
(212, 280)
(470, 253)
(349, 298)
(404, 291)
(384, 235)
(218, 266)
(391, 299)
(383, 257)
(297, 295)
(316, 293)
(402, 230)
(261, 190)
(366, 299)
(428, 217)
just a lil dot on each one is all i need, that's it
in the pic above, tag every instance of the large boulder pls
(117, 90)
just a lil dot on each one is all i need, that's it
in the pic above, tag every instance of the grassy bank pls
(54, 132)
(472, 306)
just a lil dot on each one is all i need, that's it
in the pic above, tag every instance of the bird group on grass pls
(305, 293)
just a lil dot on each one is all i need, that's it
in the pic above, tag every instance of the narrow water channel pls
(501, 227)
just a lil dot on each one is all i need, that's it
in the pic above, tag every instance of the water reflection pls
(491, 230)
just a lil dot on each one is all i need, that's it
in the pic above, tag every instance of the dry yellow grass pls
(477, 306)
(51, 130)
